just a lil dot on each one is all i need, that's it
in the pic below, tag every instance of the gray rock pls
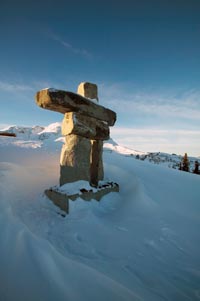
(61, 199)
(85, 126)
(88, 127)
(64, 101)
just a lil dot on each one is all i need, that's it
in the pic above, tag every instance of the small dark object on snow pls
(7, 134)
(196, 168)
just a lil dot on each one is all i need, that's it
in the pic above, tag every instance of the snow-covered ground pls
(142, 243)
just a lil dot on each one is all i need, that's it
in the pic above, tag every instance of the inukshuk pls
(85, 126)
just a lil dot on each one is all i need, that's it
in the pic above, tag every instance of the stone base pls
(61, 199)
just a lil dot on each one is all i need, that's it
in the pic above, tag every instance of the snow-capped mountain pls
(38, 136)
(35, 132)
(33, 137)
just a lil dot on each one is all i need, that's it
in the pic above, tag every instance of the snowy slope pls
(142, 243)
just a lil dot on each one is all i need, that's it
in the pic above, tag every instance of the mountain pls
(36, 132)
(37, 136)
(33, 137)
(139, 244)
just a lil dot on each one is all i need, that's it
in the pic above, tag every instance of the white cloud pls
(158, 120)
(79, 51)
(150, 103)
(152, 132)
(172, 141)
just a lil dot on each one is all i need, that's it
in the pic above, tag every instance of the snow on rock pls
(50, 89)
(74, 187)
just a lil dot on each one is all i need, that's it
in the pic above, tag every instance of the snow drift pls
(140, 244)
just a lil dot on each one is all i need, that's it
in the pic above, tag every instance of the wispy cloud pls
(155, 119)
(14, 87)
(161, 104)
(78, 51)
(20, 87)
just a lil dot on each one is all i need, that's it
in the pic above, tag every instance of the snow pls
(50, 89)
(111, 145)
(52, 128)
(142, 243)
(74, 187)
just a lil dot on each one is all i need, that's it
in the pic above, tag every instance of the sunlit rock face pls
(88, 127)
(65, 101)
(75, 159)
(85, 127)
(88, 90)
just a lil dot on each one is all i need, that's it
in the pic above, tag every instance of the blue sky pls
(143, 55)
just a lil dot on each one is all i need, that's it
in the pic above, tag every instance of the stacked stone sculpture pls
(85, 127)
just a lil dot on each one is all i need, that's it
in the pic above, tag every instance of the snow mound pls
(139, 244)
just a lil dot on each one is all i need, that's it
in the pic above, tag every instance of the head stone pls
(88, 90)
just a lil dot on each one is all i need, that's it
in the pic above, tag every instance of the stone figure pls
(85, 126)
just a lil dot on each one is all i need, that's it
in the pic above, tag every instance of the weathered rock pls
(64, 101)
(61, 199)
(75, 159)
(85, 126)
(88, 127)
(96, 165)
(88, 90)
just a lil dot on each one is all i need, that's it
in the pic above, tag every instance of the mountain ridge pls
(37, 136)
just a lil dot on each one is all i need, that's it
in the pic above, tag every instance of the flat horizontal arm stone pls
(88, 127)
(64, 101)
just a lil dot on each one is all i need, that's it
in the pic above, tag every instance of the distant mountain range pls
(38, 136)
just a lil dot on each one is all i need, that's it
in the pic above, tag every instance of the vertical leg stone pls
(75, 159)
(96, 165)
(100, 170)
